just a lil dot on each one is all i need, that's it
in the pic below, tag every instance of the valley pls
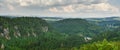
(35, 33)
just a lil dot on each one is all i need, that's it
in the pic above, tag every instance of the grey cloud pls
(1, 1)
(38, 6)
(72, 2)
(42, 6)
(55, 3)
(99, 1)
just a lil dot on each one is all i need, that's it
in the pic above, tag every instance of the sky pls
(61, 8)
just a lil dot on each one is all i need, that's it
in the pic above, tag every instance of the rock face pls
(45, 29)
(22, 27)
(6, 33)
(17, 33)
(2, 47)
(34, 34)
(87, 39)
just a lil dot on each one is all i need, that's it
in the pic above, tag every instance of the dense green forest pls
(76, 26)
(109, 23)
(33, 33)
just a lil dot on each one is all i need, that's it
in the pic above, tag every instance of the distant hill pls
(76, 26)
(104, 19)
(109, 23)
(46, 33)
(22, 26)
(33, 33)
(51, 19)
(109, 35)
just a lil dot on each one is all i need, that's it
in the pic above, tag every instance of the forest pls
(34, 33)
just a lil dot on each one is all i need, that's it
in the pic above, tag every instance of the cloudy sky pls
(61, 8)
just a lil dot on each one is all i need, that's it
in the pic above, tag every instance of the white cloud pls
(105, 7)
(64, 5)
(68, 9)
(54, 10)
(24, 4)
(10, 7)
(54, 2)
(101, 7)
(60, 6)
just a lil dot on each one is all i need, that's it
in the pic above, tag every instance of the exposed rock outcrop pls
(45, 29)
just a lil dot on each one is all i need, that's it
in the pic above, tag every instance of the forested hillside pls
(76, 26)
(109, 23)
(17, 27)
(113, 35)
(33, 33)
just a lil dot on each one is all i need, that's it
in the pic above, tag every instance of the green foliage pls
(104, 45)
(71, 36)
(109, 35)
(76, 26)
